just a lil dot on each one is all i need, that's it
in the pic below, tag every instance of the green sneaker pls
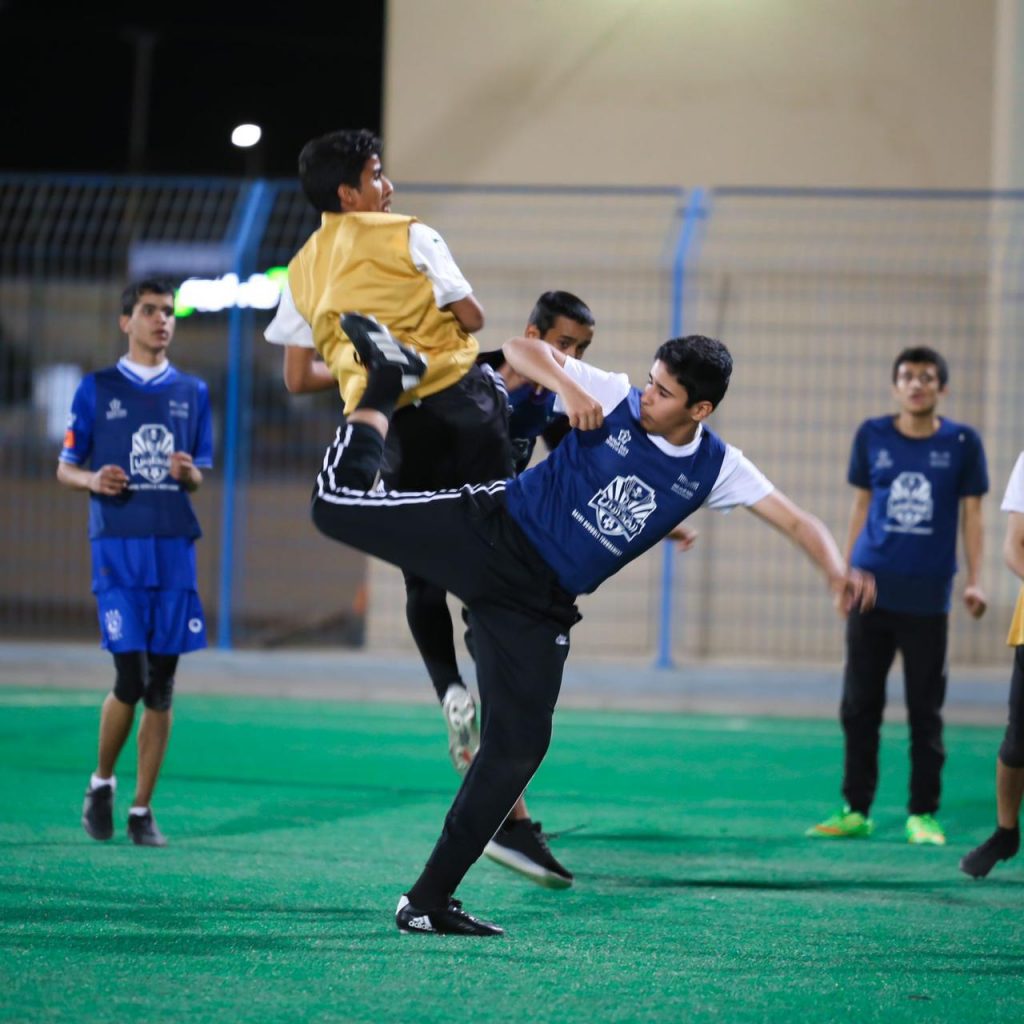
(844, 824)
(924, 830)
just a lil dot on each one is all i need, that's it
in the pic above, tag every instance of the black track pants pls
(464, 542)
(872, 640)
(454, 437)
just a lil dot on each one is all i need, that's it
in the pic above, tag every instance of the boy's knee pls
(130, 681)
(1011, 750)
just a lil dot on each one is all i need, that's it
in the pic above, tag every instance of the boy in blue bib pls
(517, 552)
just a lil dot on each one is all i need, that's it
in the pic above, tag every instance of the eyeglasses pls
(925, 377)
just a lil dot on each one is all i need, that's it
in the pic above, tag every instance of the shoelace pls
(542, 839)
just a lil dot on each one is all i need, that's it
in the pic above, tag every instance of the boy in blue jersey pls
(912, 474)
(564, 321)
(138, 438)
(516, 552)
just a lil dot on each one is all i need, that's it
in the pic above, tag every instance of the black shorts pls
(457, 436)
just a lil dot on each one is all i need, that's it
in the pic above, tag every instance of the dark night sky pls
(68, 79)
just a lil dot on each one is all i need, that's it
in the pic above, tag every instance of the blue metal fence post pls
(694, 215)
(255, 201)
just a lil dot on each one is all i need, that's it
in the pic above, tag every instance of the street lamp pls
(246, 137)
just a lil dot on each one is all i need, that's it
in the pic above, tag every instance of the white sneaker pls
(463, 728)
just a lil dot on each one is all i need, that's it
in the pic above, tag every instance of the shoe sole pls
(97, 835)
(524, 866)
(820, 834)
(925, 842)
(981, 872)
(143, 842)
(391, 352)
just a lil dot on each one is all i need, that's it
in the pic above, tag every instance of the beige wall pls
(869, 93)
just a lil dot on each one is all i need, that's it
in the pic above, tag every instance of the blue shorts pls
(157, 621)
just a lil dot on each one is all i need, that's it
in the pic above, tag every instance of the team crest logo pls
(113, 624)
(623, 506)
(910, 500)
(883, 460)
(152, 447)
(195, 625)
(116, 411)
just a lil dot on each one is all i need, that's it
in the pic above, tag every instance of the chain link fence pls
(814, 292)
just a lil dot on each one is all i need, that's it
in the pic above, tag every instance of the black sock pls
(383, 388)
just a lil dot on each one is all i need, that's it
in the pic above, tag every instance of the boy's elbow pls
(472, 322)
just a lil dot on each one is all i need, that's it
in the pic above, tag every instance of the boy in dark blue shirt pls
(912, 473)
(144, 430)
(517, 552)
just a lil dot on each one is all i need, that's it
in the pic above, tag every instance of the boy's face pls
(663, 406)
(917, 388)
(566, 336)
(150, 326)
(374, 192)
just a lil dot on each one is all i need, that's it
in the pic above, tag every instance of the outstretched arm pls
(536, 360)
(850, 587)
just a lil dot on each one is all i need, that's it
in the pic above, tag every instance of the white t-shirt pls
(429, 255)
(1013, 499)
(739, 481)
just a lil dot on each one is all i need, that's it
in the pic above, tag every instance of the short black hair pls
(702, 365)
(333, 160)
(131, 295)
(551, 305)
(922, 354)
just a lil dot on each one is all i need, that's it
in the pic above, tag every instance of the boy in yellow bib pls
(1005, 841)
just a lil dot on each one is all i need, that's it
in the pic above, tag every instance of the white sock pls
(138, 812)
(95, 782)
(460, 691)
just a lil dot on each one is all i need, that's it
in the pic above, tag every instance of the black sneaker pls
(377, 349)
(453, 920)
(98, 812)
(522, 846)
(1001, 845)
(143, 831)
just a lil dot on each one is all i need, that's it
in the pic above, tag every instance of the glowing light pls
(203, 295)
(246, 135)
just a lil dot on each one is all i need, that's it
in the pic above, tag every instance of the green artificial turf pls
(294, 826)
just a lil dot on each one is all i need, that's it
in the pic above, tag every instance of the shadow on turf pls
(955, 882)
(127, 927)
